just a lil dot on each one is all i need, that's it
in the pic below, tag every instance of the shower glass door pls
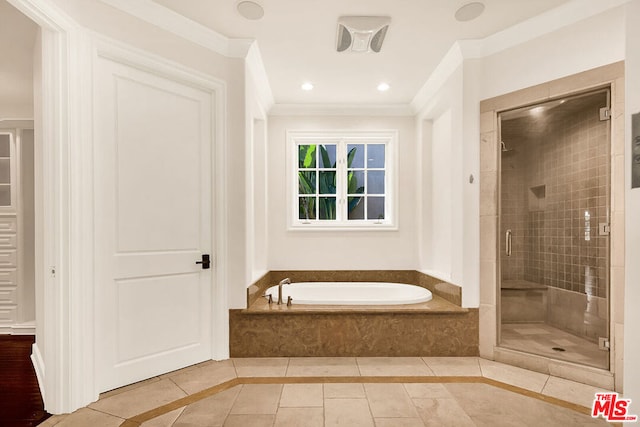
(554, 229)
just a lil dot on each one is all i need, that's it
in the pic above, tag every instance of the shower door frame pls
(607, 90)
(611, 75)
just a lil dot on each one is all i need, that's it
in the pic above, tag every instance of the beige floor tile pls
(301, 396)
(257, 399)
(209, 412)
(344, 391)
(427, 391)
(300, 417)
(166, 420)
(347, 412)
(322, 367)
(249, 421)
(389, 401)
(393, 366)
(261, 367)
(454, 366)
(209, 375)
(398, 422)
(513, 375)
(442, 413)
(486, 402)
(53, 420)
(88, 417)
(498, 420)
(571, 391)
(482, 399)
(140, 399)
(129, 387)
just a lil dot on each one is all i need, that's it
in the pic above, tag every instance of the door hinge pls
(603, 343)
(604, 229)
(605, 113)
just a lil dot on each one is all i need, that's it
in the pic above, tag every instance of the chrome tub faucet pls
(286, 281)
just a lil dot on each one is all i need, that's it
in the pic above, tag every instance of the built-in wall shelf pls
(537, 198)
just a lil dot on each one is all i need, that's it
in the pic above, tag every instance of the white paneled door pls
(153, 175)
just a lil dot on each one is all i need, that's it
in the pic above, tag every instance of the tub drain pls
(557, 349)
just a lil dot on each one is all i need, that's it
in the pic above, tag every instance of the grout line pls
(235, 399)
(187, 400)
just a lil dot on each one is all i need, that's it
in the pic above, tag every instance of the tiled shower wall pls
(554, 196)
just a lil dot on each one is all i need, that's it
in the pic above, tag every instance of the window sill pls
(364, 226)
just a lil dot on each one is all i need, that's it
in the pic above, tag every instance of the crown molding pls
(395, 110)
(537, 26)
(186, 28)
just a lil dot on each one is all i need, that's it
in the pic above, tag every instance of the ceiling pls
(297, 42)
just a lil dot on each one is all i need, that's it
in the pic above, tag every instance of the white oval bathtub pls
(351, 293)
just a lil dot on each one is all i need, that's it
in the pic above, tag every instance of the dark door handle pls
(206, 261)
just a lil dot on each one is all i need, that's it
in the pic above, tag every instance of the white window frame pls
(342, 138)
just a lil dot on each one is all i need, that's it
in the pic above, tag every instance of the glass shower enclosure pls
(554, 228)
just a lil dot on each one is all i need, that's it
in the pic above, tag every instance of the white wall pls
(442, 195)
(17, 38)
(108, 21)
(444, 177)
(342, 250)
(632, 206)
(588, 44)
(256, 173)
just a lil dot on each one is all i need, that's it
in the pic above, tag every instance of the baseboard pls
(38, 365)
(558, 368)
(28, 328)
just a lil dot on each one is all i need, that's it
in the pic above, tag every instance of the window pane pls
(355, 156)
(375, 155)
(307, 182)
(355, 182)
(5, 171)
(4, 146)
(327, 208)
(306, 156)
(375, 182)
(307, 208)
(5, 195)
(356, 207)
(327, 183)
(327, 156)
(375, 208)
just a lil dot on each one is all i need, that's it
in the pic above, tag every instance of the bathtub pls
(351, 293)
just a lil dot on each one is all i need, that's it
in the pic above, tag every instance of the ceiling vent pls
(361, 33)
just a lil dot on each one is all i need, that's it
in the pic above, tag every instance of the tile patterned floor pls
(540, 338)
(309, 392)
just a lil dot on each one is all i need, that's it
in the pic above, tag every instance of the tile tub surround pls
(447, 291)
(358, 391)
(384, 333)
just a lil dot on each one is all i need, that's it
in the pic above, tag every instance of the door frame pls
(104, 47)
(64, 352)
(611, 75)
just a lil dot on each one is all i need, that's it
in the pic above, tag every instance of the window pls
(342, 179)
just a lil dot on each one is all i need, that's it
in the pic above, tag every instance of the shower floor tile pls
(519, 336)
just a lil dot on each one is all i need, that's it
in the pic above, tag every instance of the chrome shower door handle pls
(507, 242)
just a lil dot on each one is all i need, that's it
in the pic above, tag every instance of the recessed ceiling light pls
(307, 86)
(250, 10)
(469, 11)
(383, 87)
